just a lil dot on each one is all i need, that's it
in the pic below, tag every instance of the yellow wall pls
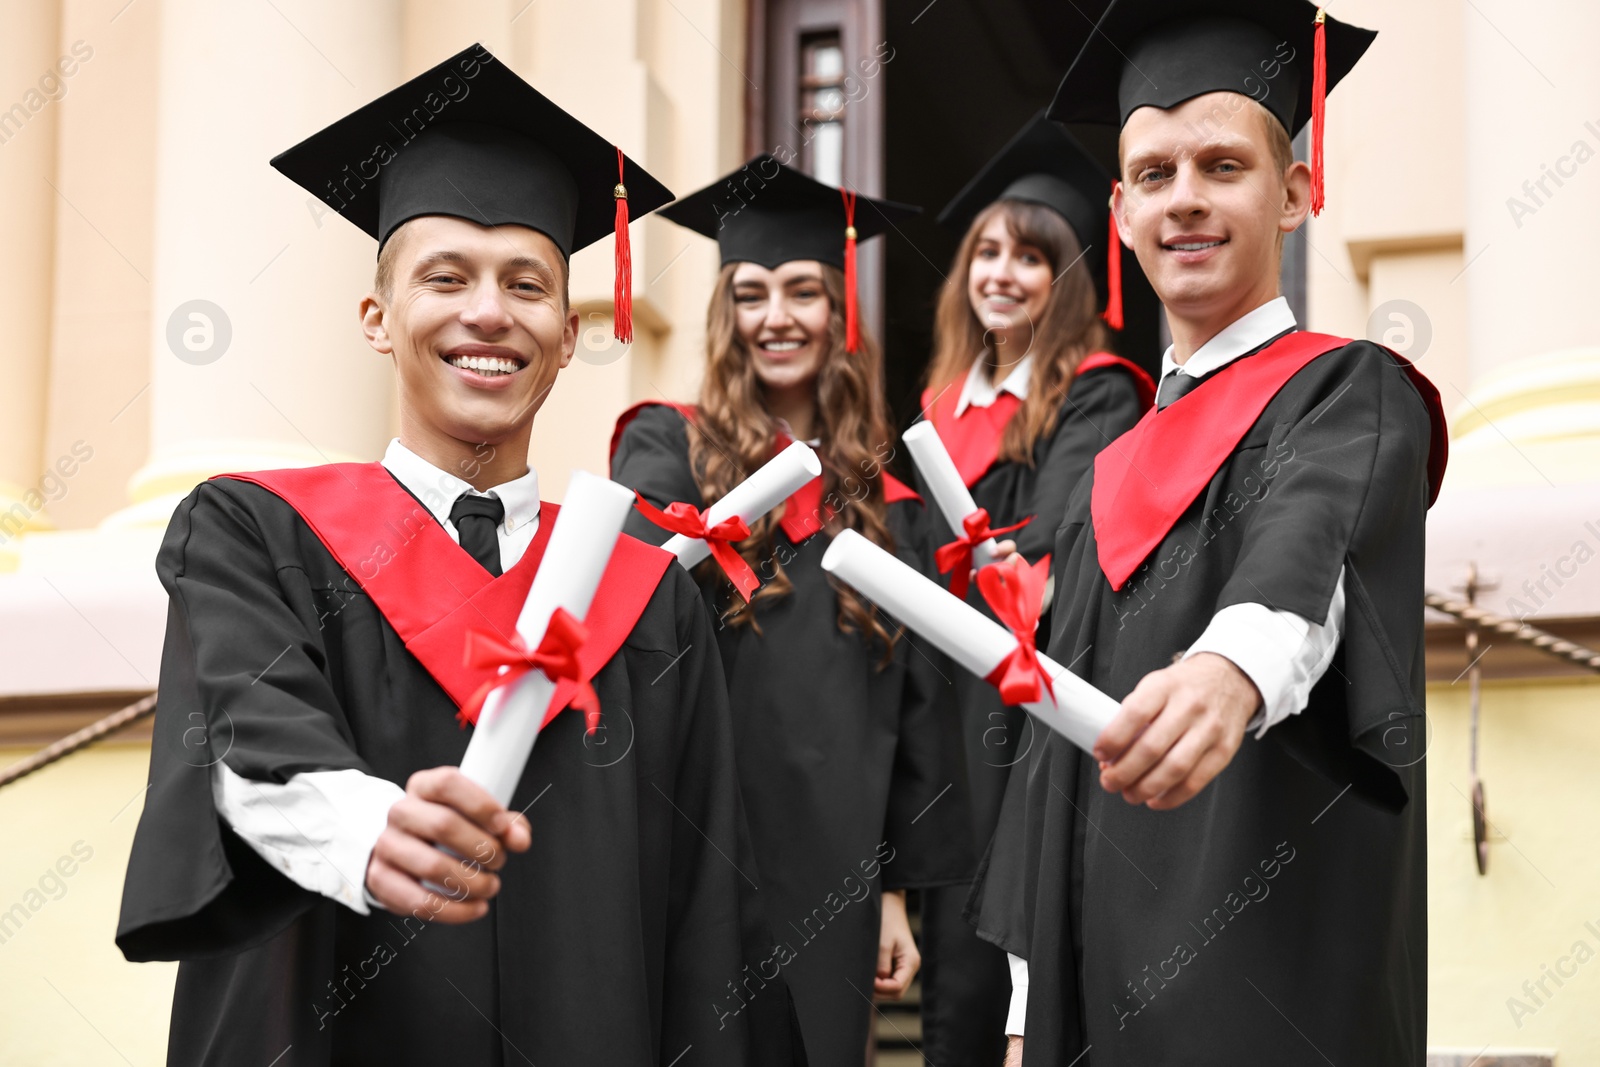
(67, 997)
(1487, 935)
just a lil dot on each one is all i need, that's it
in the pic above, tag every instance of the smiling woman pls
(1023, 394)
(844, 731)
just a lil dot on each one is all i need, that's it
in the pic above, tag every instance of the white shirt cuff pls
(318, 828)
(1284, 654)
(1019, 995)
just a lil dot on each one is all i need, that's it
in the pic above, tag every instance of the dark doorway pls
(906, 99)
(965, 76)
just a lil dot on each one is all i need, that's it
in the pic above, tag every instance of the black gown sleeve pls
(1350, 490)
(242, 681)
(652, 458)
(1101, 405)
(927, 821)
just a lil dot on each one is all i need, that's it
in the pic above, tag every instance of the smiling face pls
(1204, 201)
(783, 316)
(1008, 281)
(477, 322)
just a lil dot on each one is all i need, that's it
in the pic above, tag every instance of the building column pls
(1533, 175)
(256, 356)
(1532, 166)
(30, 85)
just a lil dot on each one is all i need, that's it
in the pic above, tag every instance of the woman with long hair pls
(845, 732)
(1023, 395)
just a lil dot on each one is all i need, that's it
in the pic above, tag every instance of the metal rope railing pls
(1515, 629)
(83, 738)
(1458, 609)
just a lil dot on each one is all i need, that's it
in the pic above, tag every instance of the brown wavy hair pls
(736, 436)
(1069, 329)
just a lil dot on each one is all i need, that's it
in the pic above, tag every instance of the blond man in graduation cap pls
(1237, 873)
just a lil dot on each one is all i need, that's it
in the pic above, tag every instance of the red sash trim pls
(803, 512)
(688, 411)
(973, 438)
(1184, 446)
(431, 591)
(1142, 382)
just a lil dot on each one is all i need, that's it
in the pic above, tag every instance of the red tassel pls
(852, 324)
(622, 295)
(1113, 312)
(1319, 109)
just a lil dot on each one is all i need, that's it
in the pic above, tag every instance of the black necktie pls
(1173, 387)
(477, 519)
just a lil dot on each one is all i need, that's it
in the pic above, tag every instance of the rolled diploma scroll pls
(944, 482)
(752, 498)
(965, 634)
(574, 559)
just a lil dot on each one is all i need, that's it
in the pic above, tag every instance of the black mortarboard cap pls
(1285, 54)
(470, 139)
(1044, 164)
(768, 213)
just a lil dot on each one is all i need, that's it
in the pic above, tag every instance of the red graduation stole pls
(432, 592)
(803, 513)
(1148, 477)
(973, 438)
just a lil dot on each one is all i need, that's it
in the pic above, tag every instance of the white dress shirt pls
(979, 392)
(319, 827)
(1281, 652)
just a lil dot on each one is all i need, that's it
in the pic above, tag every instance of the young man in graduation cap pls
(1246, 560)
(316, 641)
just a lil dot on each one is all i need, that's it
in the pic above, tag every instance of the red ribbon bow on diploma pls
(684, 518)
(556, 656)
(1015, 591)
(957, 555)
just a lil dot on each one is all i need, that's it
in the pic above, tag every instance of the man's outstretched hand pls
(1176, 731)
(443, 807)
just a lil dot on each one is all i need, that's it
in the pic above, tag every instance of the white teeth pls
(485, 365)
(782, 346)
(1193, 246)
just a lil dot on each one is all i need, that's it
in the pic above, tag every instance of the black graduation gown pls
(966, 984)
(846, 768)
(614, 936)
(1279, 916)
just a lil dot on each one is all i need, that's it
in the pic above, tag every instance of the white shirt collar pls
(1244, 334)
(979, 391)
(438, 489)
(785, 428)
